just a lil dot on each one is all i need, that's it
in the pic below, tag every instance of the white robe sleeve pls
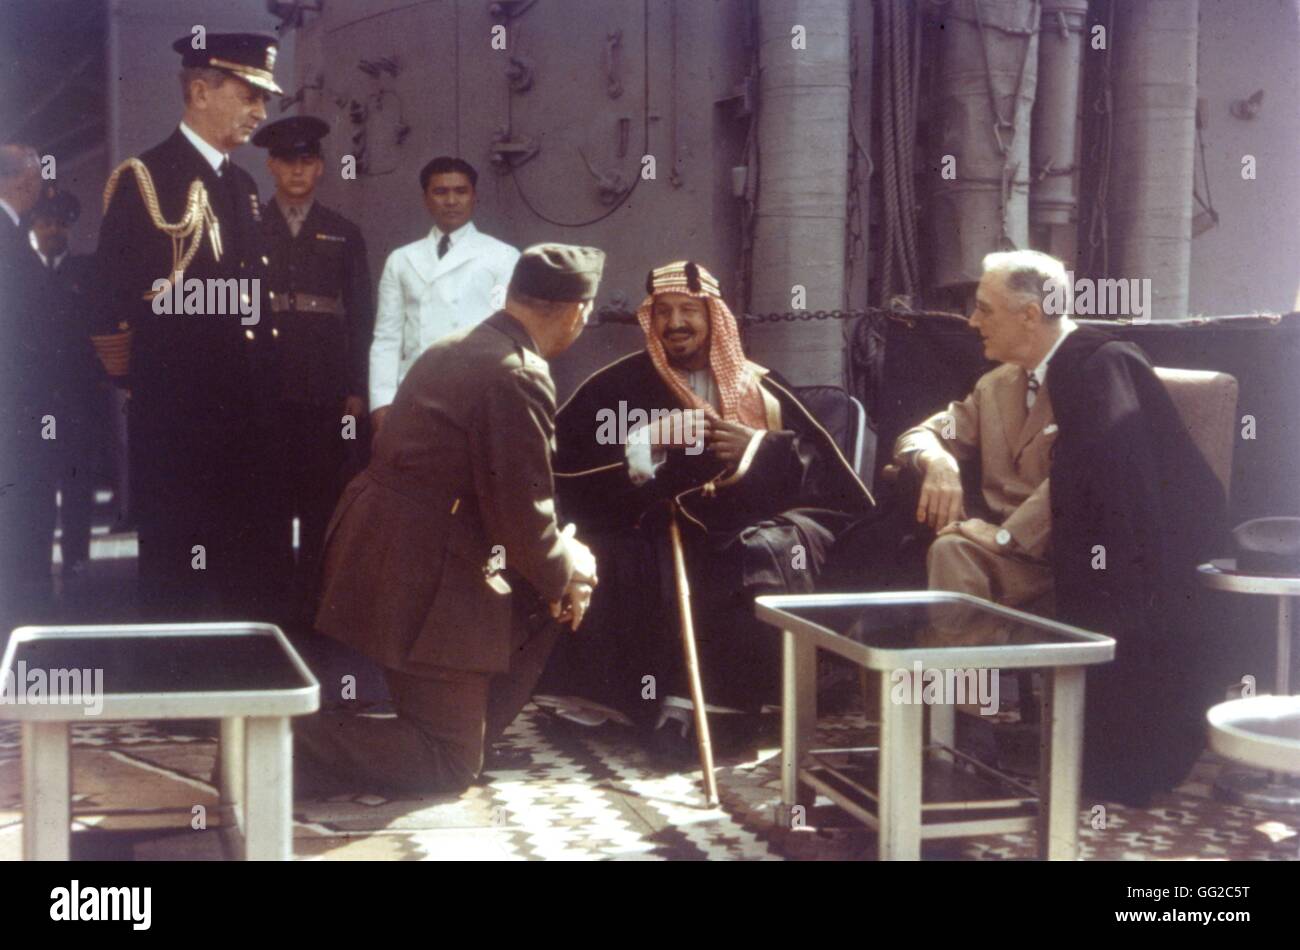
(643, 459)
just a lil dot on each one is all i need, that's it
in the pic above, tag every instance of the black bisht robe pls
(739, 542)
(1127, 476)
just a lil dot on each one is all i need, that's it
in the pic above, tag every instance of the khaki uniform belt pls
(304, 303)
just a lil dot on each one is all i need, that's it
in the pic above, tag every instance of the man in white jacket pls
(448, 281)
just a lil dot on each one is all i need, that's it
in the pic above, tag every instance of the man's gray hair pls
(206, 74)
(18, 160)
(1034, 277)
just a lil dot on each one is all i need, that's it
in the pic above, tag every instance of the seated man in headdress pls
(761, 489)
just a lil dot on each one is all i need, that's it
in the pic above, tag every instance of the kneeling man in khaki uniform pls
(443, 561)
(995, 546)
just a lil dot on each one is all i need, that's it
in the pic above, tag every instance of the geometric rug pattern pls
(141, 792)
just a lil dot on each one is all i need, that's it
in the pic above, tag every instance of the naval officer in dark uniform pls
(322, 319)
(202, 381)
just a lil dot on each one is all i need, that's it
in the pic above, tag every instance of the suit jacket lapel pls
(1036, 420)
(461, 250)
(1011, 408)
(425, 259)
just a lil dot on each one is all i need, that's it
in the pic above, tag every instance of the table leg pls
(230, 770)
(1283, 676)
(1060, 764)
(798, 719)
(47, 792)
(901, 759)
(943, 724)
(268, 789)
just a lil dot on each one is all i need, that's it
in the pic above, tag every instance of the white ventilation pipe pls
(1154, 136)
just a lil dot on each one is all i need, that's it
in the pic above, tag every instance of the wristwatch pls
(1003, 537)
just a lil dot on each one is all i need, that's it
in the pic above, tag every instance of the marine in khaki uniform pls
(995, 545)
(322, 318)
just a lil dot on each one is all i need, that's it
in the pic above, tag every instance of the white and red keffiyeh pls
(736, 377)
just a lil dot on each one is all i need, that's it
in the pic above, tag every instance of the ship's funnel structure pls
(803, 146)
(1150, 205)
(1054, 194)
(988, 74)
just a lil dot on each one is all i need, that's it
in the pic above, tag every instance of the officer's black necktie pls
(443, 245)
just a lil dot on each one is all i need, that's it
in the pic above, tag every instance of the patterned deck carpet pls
(141, 792)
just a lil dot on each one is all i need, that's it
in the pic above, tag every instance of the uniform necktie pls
(1031, 393)
(295, 220)
(224, 168)
(443, 245)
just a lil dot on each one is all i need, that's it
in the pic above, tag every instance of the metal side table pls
(246, 675)
(907, 789)
(1252, 787)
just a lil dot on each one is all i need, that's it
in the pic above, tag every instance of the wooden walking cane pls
(692, 659)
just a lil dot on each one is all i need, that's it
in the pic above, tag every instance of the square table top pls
(154, 671)
(938, 629)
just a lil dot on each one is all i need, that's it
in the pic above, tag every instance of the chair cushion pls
(1207, 404)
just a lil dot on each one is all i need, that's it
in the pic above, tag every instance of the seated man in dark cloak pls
(760, 487)
(1086, 500)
